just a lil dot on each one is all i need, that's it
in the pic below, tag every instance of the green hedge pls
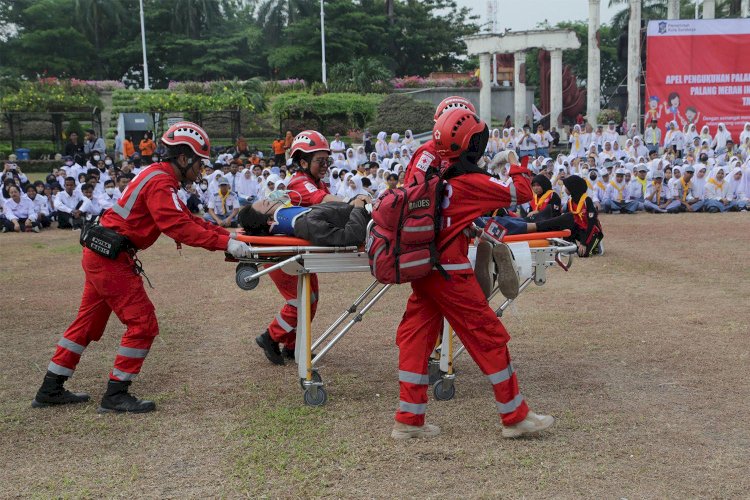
(50, 95)
(193, 98)
(356, 109)
(399, 112)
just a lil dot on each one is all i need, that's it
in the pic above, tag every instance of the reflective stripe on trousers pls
(416, 409)
(413, 378)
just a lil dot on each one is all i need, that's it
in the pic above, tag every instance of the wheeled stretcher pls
(534, 253)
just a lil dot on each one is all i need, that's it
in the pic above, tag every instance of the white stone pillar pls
(634, 63)
(673, 9)
(593, 90)
(745, 8)
(709, 9)
(555, 88)
(519, 94)
(485, 93)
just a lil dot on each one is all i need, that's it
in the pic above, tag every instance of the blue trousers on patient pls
(513, 225)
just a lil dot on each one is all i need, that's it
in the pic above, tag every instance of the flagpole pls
(143, 44)
(323, 42)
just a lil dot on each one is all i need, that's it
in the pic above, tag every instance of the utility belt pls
(109, 243)
(104, 241)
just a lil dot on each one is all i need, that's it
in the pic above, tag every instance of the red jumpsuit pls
(307, 191)
(461, 301)
(425, 156)
(148, 207)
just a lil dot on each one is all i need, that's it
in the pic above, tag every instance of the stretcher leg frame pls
(351, 323)
(352, 309)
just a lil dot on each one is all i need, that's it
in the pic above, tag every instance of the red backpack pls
(401, 244)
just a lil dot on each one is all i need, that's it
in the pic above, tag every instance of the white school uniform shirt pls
(24, 209)
(610, 135)
(91, 206)
(41, 204)
(106, 201)
(543, 140)
(720, 192)
(652, 136)
(214, 203)
(65, 202)
(338, 148)
(635, 190)
(721, 138)
(698, 186)
(600, 191)
(665, 194)
(617, 192)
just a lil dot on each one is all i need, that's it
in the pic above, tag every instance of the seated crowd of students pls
(700, 176)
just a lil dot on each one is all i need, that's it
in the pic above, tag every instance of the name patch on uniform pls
(498, 181)
(423, 203)
(425, 160)
(310, 187)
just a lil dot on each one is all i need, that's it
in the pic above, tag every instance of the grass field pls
(642, 355)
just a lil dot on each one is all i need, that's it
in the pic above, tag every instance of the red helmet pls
(189, 134)
(453, 102)
(309, 141)
(453, 132)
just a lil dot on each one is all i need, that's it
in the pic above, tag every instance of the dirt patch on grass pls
(642, 355)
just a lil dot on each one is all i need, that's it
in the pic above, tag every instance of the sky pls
(521, 15)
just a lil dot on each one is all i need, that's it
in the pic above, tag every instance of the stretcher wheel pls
(243, 272)
(315, 378)
(317, 400)
(433, 370)
(443, 391)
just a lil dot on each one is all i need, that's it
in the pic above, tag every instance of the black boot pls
(117, 399)
(288, 353)
(270, 348)
(53, 393)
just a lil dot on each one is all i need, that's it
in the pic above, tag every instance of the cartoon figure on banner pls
(672, 106)
(692, 115)
(653, 112)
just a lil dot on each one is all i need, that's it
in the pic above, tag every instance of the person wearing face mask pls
(203, 192)
(110, 196)
(148, 207)
(310, 154)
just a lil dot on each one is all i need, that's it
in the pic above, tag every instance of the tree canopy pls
(227, 39)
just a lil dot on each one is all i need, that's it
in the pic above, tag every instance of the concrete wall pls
(502, 98)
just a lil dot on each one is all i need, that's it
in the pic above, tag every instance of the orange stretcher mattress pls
(534, 239)
(273, 241)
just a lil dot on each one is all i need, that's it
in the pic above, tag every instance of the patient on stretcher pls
(327, 224)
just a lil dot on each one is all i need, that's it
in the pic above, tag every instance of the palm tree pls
(275, 15)
(193, 17)
(97, 16)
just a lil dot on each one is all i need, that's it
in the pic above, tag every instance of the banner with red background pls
(698, 71)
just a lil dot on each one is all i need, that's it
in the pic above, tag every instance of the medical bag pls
(402, 241)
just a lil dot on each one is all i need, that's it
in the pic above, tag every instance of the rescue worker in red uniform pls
(460, 138)
(148, 207)
(311, 154)
(426, 155)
